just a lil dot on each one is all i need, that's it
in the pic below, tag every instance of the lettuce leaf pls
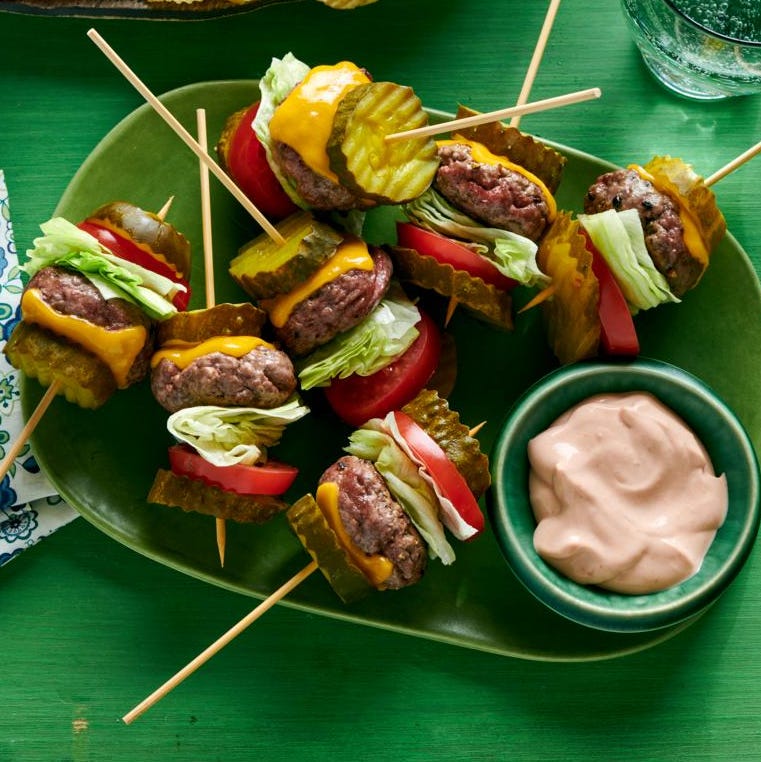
(512, 254)
(405, 483)
(387, 332)
(278, 81)
(618, 236)
(64, 244)
(228, 435)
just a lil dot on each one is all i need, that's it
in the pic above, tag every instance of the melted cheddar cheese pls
(304, 120)
(117, 349)
(693, 239)
(483, 155)
(183, 353)
(377, 568)
(351, 254)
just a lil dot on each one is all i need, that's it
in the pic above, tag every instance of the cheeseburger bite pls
(95, 294)
(316, 140)
(472, 235)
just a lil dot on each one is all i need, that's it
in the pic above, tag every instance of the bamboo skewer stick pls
(184, 135)
(208, 258)
(733, 165)
(536, 58)
(218, 644)
(29, 427)
(558, 101)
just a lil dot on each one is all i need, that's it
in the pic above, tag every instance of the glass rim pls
(712, 32)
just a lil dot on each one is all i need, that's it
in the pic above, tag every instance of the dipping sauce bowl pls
(716, 426)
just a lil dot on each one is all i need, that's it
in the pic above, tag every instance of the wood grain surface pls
(90, 628)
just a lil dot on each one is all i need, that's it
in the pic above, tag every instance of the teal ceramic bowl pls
(726, 442)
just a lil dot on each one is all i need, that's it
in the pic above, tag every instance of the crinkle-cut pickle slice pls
(224, 319)
(189, 494)
(572, 312)
(265, 268)
(433, 414)
(522, 149)
(319, 540)
(490, 304)
(85, 379)
(389, 172)
(697, 197)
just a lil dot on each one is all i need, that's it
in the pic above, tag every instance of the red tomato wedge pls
(447, 251)
(125, 249)
(356, 399)
(248, 166)
(450, 483)
(617, 332)
(272, 478)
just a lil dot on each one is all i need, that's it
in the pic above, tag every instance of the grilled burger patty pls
(337, 306)
(264, 377)
(664, 234)
(316, 190)
(70, 293)
(375, 521)
(491, 193)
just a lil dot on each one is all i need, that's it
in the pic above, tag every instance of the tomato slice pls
(125, 249)
(447, 251)
(617, 332)
(248, 166)
(356, 399)
(272, 478)
(449, 482)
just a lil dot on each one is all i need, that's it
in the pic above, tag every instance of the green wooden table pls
(90, 627)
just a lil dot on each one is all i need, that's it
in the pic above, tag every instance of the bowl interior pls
(726, 442)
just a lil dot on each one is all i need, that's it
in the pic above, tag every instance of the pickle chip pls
(697, 197)
(310, 526)
(573, 322)
(193, 495)
(489, 303)
(148, 231)
(389, 172)
(432, 413)
(85, 379)
(229, 129)
(346, 5)
(264, 268)
(522, 149)
(224, 319)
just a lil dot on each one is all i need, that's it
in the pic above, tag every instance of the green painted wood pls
(89, 628)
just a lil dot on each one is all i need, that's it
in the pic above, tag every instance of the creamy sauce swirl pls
(624, 494)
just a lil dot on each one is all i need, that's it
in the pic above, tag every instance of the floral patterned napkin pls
(30, 509)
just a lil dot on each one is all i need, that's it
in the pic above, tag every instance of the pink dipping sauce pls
(624, 494)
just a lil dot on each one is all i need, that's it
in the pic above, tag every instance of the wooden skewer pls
(162, 213)
(218, 644)
(536, 58)
(208, 258)
(184, 135)
(29, 427)
(733, 165)
(494, 116)
(50, 393)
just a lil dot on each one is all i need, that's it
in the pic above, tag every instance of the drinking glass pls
(703, 49)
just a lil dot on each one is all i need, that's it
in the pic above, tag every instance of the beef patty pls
(375, 521)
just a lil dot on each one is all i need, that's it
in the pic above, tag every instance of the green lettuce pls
(278, 81)
(618, 236)
(405, 483)
(512, 254)
(64, 244)
(387, 332)
(226, 436)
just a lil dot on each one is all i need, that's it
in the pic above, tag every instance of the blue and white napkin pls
(30, 509)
